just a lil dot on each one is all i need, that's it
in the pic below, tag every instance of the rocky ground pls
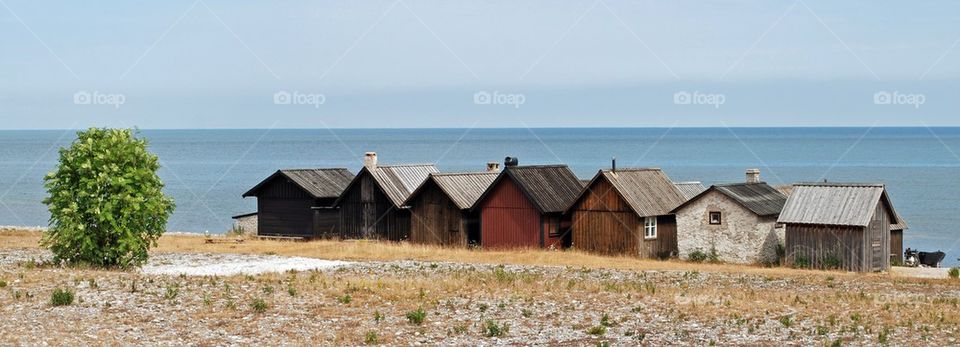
(380, 303)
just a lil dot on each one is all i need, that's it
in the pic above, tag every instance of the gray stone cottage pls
(738, 221)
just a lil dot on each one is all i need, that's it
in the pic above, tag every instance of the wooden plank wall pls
(284, 209)
(508, 218)
(436, 220)
(819, 242)
(878, 240)
(896, 247)
(366, 212)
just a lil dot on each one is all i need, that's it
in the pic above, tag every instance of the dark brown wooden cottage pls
(440, 208)
(627, 211)
(524, 207)
(299, 203)
(372, 205)
(841, 225)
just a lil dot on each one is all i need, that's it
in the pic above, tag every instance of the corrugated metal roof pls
(463, 188)
(690, 189)
(321, 183)
(551, 188)
(398, 181)
(760, 198)
(847, 204)
(649, 192)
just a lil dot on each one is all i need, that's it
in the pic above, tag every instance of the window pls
(650, 228)
(715, 218)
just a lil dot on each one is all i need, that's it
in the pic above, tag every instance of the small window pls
(715, 218)
(650, 228)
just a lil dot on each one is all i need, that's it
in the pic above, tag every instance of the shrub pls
(697, 256)
(801, 261)
(494, 329)
(830, 262)
(258, 305)
(597, 330)
(377, 316)
(3, 284)
(954, 272)
(172, 292)
(371, 338)
(105, 199)
(786, 321)
(417, 317)
(61, 297)
(345, 299)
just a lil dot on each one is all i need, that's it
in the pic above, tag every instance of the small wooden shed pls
(299, 202)
(524, 206)
(371, 207)
(627, 211)
(440, 208)
(840, 225)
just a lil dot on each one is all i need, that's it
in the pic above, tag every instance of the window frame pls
(719, 215)
(648, 227)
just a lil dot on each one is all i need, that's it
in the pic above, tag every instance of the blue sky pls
(414, 63)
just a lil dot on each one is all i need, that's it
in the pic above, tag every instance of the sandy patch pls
(920, 272)
(231, 264)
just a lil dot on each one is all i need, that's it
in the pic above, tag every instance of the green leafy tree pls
(105, 199)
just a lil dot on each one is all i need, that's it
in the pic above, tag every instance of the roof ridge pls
(313, 169)
(739, 184)
(465, 173)
(634, 169)
(689, 182)
(536, 166)
(405, 165)
(839, 184)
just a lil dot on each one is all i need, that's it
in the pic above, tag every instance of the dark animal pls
(916, 258)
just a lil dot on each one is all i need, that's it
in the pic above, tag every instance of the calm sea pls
(206, 171)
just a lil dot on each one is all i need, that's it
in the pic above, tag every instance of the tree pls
(105, 199)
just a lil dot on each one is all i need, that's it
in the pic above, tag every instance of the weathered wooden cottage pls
(840, 225)
(627, 211)
(524, 206)
(440, 208)
(371, 206)
(736, 222)
(299, 203)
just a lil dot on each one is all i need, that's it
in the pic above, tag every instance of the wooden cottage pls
(627, 211)
(735, 222)
(440, 208)
(371, 207)
(299, 203)
(841, 225)
(524, 206)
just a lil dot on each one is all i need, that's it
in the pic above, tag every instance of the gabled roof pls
(759, 198)
(463, 188)
(551, 188)
(320, 183)
(396, 181)
(690, 189)
(648, 192)
(844, 204)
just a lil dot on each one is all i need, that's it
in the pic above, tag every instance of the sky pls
(483, 63)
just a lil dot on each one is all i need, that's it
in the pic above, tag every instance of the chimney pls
(370, 160)
(613, 164)
(493, 166)
(510, 161)
(753, 175)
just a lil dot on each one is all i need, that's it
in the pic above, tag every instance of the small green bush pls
(258, 305)
(830, 262)
(697, 256)
(3, 284)
(786, 321)
(371, 338)
(597, 330)
(417, 317)
(801, 261)
(345, 299)
(954, 272)
(493, 329)
(61, 297)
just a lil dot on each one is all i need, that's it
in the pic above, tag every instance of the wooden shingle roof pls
(760, 198)
(551, 188)
(648, 192)
(463, 188)
(320, 183)
(843, 204)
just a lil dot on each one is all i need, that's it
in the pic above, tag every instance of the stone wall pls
(247, 223)
(742, 237)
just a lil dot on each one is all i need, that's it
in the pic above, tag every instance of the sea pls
(207, 171)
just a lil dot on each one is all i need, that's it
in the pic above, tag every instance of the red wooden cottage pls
(524, 206)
